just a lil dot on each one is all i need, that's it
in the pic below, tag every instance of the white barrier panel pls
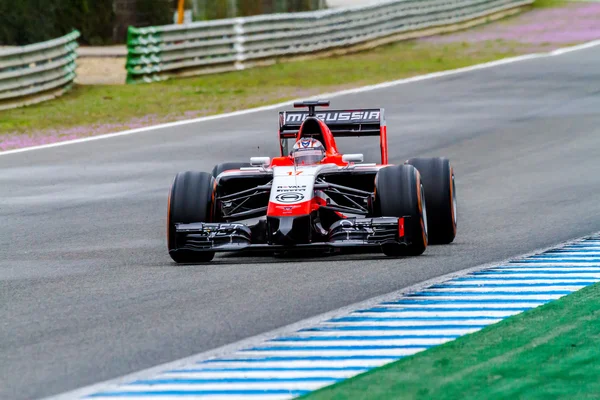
(34, 73)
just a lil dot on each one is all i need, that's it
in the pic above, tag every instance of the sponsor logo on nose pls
(289, 197)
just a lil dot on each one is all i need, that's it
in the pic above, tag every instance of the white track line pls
(370, 363)
(357, 343)
(550, 270)
(555, 264)
(383, 85)
(533, 280)
(519, 289)
(400, 352)
(397, 314)
(261, 396)
(567, 275)
(408, 323)
(395, 332)
(484, 296)
(225, 373)
(227, 386)
(474, 304)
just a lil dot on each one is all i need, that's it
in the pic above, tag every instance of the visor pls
(308, 157)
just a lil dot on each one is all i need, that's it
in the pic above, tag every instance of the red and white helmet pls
(308, 151)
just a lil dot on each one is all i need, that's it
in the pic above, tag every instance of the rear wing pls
(341, 123)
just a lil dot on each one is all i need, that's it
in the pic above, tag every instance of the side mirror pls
(260, 161)
(352, 158)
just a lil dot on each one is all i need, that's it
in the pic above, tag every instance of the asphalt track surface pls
(88, 292)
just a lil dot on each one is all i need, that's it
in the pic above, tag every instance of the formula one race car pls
(314, 197)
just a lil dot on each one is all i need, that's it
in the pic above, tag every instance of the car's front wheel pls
(190, 200)
(399, 193)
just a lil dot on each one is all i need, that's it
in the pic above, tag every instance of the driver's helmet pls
(308, 151)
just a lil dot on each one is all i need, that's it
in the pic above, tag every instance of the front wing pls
(351, 232)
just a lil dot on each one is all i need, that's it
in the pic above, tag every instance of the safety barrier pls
(161, 52)
(38, 72)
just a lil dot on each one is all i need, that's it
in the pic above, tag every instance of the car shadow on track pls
(269, 258)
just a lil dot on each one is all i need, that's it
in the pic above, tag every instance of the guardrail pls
(161, 52)
(37, 72)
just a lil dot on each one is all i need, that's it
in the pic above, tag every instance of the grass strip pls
(549, 3)
(551, 352)
(124, 106)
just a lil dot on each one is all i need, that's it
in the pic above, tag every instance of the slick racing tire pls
(190, 201)
(438, 179)
(399, 193)
(219, 168)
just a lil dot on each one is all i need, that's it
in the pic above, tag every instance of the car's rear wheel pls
(438, 179)
(190, 200)
(219, 168)
(399, 193)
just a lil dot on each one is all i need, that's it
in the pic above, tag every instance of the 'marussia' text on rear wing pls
(367, 122)
(341, 123)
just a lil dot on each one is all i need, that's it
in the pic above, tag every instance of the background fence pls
(161, 52)
(37, 72)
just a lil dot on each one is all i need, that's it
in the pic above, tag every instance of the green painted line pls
(551, 352)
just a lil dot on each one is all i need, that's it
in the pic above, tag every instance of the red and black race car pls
(334, 203)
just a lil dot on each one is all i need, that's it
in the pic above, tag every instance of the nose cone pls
(287, 231)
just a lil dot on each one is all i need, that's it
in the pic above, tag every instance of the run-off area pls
(343, 347)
